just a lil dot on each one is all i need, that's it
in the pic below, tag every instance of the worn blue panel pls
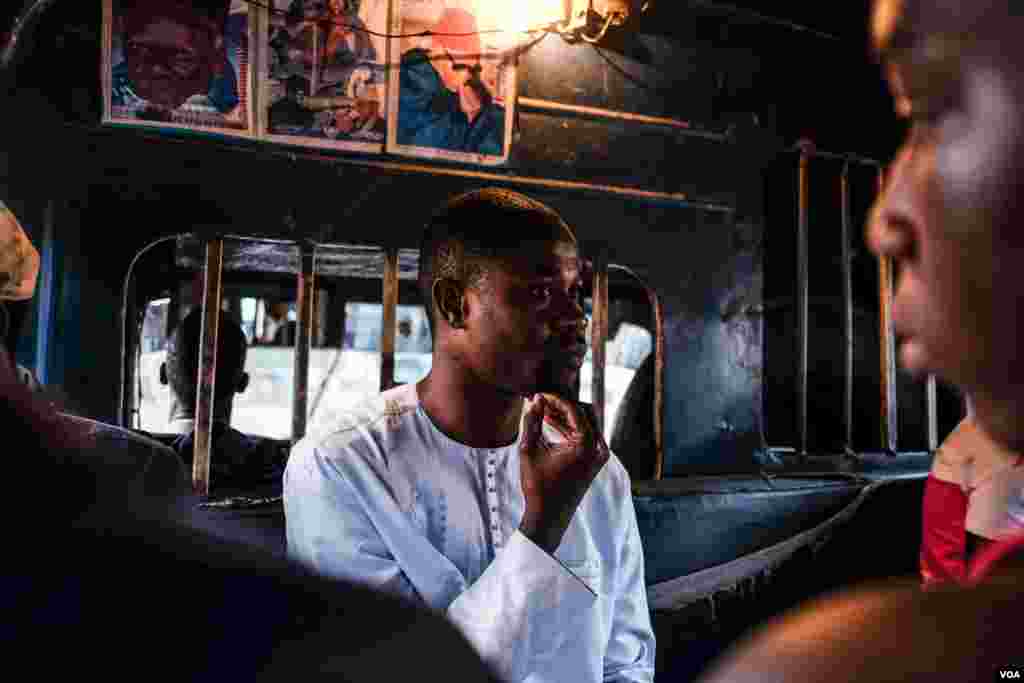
(30, 220)
(714, 354)
(67, 314)
(45, 296)
(717, 520)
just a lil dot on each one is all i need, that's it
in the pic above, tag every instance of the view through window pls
(345, 357)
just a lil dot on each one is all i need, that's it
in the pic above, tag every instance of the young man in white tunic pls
(520, 527)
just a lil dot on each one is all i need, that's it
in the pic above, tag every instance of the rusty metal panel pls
(280, 256)
(802, 294)
(847, 263)
(653, 79)
(640, 158)
(680, 126)
(659, 384)
(206, 383)
(599, 334)
(305, 305)
(388, 329)
(889, 407)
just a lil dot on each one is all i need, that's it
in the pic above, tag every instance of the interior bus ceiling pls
(714, 65)
(703, 66)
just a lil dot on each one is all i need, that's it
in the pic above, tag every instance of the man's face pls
(525, 330)
(168, 61)
(951, 213)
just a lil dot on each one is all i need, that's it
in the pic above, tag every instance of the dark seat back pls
(132, 464)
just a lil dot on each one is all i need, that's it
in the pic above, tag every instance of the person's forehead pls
(162, 27)
(542, 258)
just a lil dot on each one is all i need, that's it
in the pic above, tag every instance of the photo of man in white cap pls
(443, 102)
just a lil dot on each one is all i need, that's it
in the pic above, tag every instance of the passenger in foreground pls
(106, 585)
(952, 218)
(177, 600)
(444, 492)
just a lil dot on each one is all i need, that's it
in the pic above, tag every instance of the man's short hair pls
(183, 355)
(472, 229)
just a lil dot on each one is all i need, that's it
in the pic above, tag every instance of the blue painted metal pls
(714, 520)
(714, 351)
(45, 295)
(65, 351)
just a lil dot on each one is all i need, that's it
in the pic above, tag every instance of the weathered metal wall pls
(704, 263)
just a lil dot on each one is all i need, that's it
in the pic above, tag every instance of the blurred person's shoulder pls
(249, 614)
(888, 632)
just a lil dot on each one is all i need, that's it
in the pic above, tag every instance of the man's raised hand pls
(555, 476)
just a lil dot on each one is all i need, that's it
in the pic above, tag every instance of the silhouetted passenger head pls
(181, 370)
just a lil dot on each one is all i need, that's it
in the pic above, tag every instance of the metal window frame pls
(659, 365)
(889, 403)
(206, 383)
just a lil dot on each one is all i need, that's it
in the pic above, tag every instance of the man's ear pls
(163, 373)
(448, 297)
(243, 383)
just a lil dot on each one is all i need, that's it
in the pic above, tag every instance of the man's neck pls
(470, 412)
(181, 414)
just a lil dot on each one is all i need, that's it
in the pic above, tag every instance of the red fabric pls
(943, 538)
(993, 555)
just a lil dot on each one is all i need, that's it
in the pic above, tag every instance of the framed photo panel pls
(451, 91)
(323, 72)
(178, 64)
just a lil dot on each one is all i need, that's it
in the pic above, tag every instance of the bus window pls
(340, 378)
(264, 407)
(154, 325)
(629, 343)
(154, 398)
(624, 352)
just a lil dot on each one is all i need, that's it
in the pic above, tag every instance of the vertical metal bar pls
(599, 334)
(802, 301)
(659, 379)
(659, 368)
(847, 310)
(931, 405)
(319, 322)
(45, 295)
(207, 366)
(387, 342)
(300, 385)
(314, 77)
(888, 346)
(261, 319)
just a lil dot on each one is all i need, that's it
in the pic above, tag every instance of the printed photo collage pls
(421, 78)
